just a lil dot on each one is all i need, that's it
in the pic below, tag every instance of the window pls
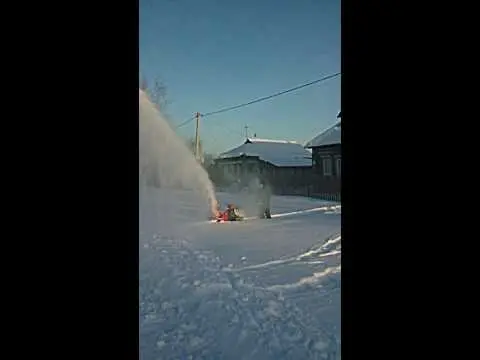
(327, 166)
(339, 167)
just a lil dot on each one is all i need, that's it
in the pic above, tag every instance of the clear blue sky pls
(212, 54)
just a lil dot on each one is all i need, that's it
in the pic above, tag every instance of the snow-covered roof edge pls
(258, 140)
(295, 155)
(330, 136)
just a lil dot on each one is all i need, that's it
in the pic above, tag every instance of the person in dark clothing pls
(231, 213)
(264, 201)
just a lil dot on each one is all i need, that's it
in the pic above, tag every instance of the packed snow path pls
(259, 290)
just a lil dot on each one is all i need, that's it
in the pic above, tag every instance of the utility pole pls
(246, 131)
(197, 137)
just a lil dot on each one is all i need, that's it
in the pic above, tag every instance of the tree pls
(206, 159)
(191, 145)
(157, 92)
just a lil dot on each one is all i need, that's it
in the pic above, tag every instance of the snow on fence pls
(328, 197)
(298, 191)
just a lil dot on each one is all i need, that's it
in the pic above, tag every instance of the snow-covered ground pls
(259, 289)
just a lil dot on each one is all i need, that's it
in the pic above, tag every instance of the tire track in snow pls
(331, 247)
(319, 252)
(190, 308)
(323, 247)
(309, 280)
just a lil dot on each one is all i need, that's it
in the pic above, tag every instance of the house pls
(285, 165)
(327, 161)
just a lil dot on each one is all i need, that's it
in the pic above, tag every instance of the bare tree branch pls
(157, 93)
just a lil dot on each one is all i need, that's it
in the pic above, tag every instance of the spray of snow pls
(164, 160)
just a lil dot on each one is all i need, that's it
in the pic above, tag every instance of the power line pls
(185, 122)
(271, 96)
(261, 99)
(236, 133)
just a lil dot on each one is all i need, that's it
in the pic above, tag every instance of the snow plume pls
(165, 162)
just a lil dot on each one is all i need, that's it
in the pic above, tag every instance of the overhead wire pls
(264, 98)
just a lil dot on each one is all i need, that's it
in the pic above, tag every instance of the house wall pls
(226, 172)
(290, 180)
(326, 165)
(283, 180)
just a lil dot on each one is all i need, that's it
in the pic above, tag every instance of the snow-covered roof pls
(280, 153)
(331, 136)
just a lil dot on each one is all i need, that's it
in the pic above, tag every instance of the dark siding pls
(321, 183)
(283, 180)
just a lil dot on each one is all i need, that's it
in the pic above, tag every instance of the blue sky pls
(212, 54)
